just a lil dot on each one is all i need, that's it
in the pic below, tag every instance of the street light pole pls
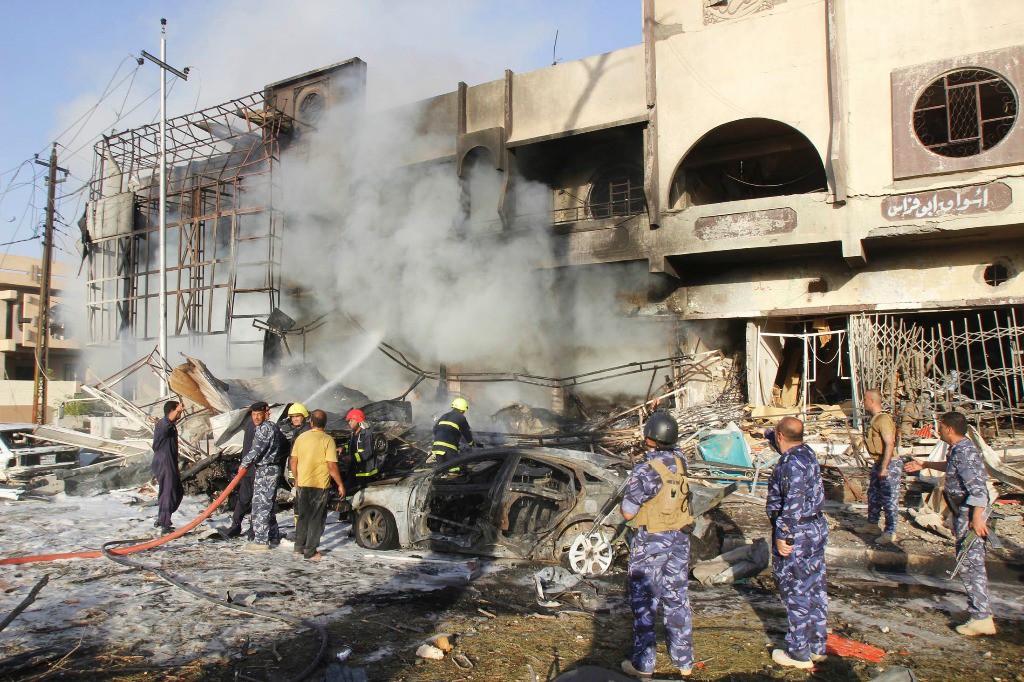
(163, 205)
(164, 68)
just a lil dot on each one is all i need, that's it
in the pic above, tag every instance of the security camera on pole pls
(164, 68)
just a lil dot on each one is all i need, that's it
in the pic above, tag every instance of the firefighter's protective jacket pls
(365, 461)
(448, 431)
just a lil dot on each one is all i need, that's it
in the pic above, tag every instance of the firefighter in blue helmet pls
(450, 429)
(799, 535)
(966, 493)
(657, 503)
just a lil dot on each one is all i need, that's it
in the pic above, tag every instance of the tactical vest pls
(875, 442)
(670, 508)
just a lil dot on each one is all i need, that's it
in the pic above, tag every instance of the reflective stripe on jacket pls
(448, 431)
(360, 447)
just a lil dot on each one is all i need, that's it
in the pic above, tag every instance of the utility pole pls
(43, 318)
(164, 68)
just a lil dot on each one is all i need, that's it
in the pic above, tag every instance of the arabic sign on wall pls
(749, 224)
(725, 10)
(954, 202)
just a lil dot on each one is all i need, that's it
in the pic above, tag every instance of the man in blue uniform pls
(165, 465)
(656, 500)
(265, 457)
(243, 500)
(966, 493)
(450, 429)
(799, 535)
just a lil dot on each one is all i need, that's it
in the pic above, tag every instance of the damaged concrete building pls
(830, 186)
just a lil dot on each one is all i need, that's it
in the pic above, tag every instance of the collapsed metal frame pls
(106, 389)
(221, 219)
(974, 364)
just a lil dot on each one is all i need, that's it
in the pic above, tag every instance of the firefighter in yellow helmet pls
(298, 422)
(450, 429)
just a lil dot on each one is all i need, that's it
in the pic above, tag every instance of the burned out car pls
(517, 502)
(22, 457)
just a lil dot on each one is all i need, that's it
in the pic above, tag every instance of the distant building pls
(19, 297)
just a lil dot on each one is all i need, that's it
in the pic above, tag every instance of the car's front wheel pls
(376, 529)
(582, 552)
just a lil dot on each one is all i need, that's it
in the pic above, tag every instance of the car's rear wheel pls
(376, 529)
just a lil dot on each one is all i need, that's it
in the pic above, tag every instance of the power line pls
(127, 93)
(88, 114)
(19, 241)
(32, 196)
(11, 185)
(118, 120)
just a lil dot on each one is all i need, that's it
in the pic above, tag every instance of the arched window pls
(617, 191)
(747, 159)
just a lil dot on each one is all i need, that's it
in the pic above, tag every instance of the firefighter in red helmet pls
(362, 463)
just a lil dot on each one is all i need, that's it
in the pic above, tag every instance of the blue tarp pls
(725, 447)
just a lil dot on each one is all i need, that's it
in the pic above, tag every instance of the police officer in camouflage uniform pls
(265, 457)
(799, 535)
(656, 499)
(966, 493)
(884, 480)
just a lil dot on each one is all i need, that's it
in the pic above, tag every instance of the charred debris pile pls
(107, 445)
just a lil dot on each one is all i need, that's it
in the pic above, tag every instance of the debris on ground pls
(848, 648)
(728, 464)
(737, 564)
(430, 652)
(552, 582)
(897, 673)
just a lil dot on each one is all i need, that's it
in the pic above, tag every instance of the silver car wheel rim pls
(590, 554)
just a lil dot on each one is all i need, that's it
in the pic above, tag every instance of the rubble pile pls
(728, 462)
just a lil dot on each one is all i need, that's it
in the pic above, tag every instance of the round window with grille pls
(965, 112)
(311, 106)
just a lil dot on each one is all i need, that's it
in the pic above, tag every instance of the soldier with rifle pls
(966, 493)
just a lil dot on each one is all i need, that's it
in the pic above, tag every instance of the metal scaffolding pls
(223, 230)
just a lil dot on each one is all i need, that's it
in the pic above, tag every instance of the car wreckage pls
(541, 504)
(22, 457)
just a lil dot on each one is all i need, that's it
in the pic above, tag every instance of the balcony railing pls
(575, 214)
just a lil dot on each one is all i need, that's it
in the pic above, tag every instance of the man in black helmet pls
(657, 501)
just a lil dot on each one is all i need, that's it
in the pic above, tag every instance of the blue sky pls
(57, 57)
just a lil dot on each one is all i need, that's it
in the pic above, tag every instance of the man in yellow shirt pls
(314, 464)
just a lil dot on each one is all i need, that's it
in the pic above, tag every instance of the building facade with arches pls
(782, 165)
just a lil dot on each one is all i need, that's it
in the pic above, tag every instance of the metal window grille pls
(965, 113)
(618, 192)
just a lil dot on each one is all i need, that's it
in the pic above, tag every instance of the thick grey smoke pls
(398, 248)
(421, 260)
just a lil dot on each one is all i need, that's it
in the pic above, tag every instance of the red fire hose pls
(141, 547)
